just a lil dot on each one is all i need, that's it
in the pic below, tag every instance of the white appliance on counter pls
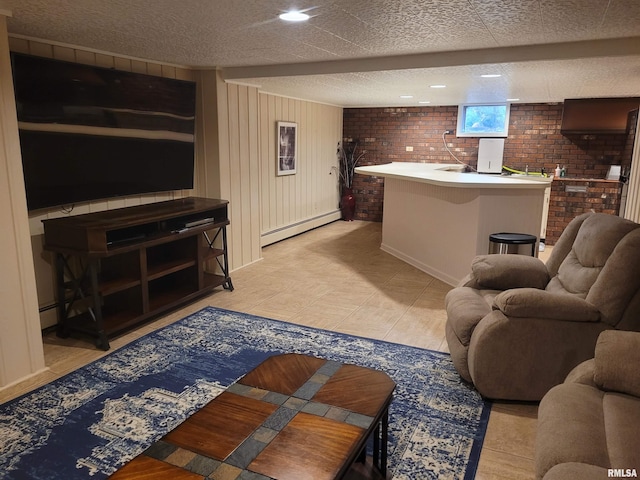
(614, 172)
(490, 152)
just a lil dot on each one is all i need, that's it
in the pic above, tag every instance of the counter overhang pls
(449, 175)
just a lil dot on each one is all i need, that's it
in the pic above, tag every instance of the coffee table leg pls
(380, 442)
(385, 442)
(362, 456)
(376, 446)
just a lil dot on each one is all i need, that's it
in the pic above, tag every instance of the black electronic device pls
(90, 133)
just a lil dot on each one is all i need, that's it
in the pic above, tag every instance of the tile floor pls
(337, 278)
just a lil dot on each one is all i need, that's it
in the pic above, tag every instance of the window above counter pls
(483, 120)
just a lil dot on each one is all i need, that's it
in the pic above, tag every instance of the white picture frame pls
(286, 145)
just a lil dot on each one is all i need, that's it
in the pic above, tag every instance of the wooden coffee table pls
(293, 417)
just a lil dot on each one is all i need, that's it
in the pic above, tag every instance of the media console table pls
(117, 268)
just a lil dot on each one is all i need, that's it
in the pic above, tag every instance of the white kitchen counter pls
(438, 220)
(449, 175)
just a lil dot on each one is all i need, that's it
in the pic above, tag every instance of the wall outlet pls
(409, 149)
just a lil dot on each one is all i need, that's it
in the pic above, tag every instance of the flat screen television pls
(90, 133)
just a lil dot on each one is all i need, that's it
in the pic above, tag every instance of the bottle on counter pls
(563, 171)
(558, 171)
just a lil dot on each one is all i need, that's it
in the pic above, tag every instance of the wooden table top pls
(293, 417)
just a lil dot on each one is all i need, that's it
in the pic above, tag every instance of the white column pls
(21, 353)
(632, 206)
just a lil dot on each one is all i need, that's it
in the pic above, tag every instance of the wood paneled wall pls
(291, 204)
(265, 207)
(239, 169)
(21, 353)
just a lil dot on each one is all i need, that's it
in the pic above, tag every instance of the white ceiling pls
(367, 52)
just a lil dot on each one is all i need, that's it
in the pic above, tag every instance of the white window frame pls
(462, 112)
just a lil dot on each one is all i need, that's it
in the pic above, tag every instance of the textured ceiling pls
(367, 52)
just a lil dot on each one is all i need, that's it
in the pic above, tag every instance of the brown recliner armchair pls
(516, 326)
(590, 423)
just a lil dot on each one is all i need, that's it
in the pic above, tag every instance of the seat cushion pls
(465, 307)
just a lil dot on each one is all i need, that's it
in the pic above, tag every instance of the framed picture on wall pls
(287, 144)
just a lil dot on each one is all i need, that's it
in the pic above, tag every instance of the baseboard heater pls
(292, 229)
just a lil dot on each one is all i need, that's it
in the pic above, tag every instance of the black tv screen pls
(90, 133)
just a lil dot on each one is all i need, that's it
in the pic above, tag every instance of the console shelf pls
(119, 268)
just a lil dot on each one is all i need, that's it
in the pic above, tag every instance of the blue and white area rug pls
(92, 421)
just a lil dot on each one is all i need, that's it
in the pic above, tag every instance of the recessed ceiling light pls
(424, 101)
(406, 96)
(294, 16)
(438, 86)
(513, 99)
(491, 75)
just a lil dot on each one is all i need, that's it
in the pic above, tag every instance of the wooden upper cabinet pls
(598, 115)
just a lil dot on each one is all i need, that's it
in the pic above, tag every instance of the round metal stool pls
(503, 240)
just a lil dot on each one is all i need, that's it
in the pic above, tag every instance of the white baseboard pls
(448, 279)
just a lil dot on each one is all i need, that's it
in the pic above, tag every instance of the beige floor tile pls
(369, 321)
(324, 316)
(347, 298)
(13, 391)
(390, 302)
(444, 347)
(411, 276)
(512, 429)
(419, 327)
(374, 279)
(430, 300)
(496, 465)
(278, 281)
(289, 301)
(439, 286)
(237, 302)
(272, 311)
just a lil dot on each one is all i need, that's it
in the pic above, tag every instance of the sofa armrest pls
(531, 302)
(502, 272)
(583, 373)
(617, 359)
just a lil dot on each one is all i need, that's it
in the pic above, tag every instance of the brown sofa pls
(516, 326)
(591, 423)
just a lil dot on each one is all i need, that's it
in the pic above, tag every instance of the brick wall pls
(534, 140)
(600, 196)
